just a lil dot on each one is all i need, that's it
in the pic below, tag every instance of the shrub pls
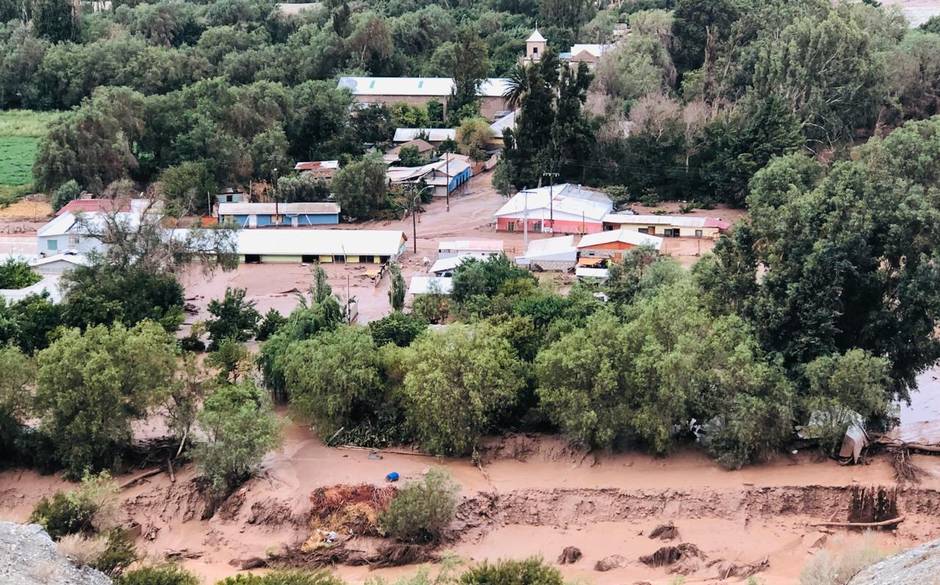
(17, 274)
(827, 568)
(158, 575)
(271, 322)
(234, 318)
(89, 508)
(431, 308)
(422, 509)
(398, 328)
(284, 578)
(528, 572)
(66, 192)
(81, 549)
(119, 554)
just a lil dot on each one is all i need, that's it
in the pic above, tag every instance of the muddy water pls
(920, 420)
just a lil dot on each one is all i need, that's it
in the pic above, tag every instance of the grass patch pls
(20, 132)
(17, 154)
(26, 123)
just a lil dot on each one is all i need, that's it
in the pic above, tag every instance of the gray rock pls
(918, 565)
(29, 557)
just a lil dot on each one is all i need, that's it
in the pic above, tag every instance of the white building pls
(469, 248)
(430, 285)
(559, 209)
(81, 233)
(550, 254)
(668, 226)
(324, 246)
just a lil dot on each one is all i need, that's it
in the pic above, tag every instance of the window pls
(698, 233)
(52, 245)
(74, 241)
(307, 259)
(252, 259)
(535, 50)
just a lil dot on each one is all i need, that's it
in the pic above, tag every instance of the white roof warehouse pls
(306, 245)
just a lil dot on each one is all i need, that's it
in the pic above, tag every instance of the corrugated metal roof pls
(625, 236)
(417, 86)
(317, 208)
(471, 245)
(94, 205)
(592, 48)
(317, 165)
(570, 199)
(432, 134)
(58, 226)
(300, 242)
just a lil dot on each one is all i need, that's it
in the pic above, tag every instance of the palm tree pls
(517, 86)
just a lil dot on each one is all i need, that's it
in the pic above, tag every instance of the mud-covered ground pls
(531, 496)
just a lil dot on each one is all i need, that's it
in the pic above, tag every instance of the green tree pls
(92, 385)
(66, 192)
(97, 295)
(334, 379)
(398, 328)
(473, 136)
(36, 317)
(476, 277)
(695, 22)
(361, 186)
(158, 575)
(240, 428)
(469, 69)
(16, 273)
(396, 287)
(736, 146)
(457, 383)
(270, 324)
(19, 374)
(232, 318)
(856, 380)
(54, 20)
(189, 185)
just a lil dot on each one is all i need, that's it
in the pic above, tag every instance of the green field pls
(20, 131)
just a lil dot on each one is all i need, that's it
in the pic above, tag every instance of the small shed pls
(58, 264)
(318, 169)
(550, 254)
(595, 249)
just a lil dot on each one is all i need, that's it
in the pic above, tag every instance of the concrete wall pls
(489, 106)
(82, 245)
(506, 224)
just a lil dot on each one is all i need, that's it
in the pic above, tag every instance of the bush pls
(17, 274)
(528, 572)
(827, 568)
(66, 192)
(82, 550)
(284, 578)
(271, 322)
(158, 575)
(119, 554)
(234, 318)
(422, 509)
(432, 308)
(85, 510)
(398, 328)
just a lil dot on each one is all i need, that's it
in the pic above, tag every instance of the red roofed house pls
(318, 169)
(94, 206)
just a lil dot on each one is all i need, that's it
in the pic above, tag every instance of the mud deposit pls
(534, 496)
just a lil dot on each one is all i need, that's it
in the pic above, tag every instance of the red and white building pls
(559, 209)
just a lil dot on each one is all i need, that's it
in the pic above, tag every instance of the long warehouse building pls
(352, 246)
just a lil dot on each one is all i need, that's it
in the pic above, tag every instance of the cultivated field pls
(20, 132)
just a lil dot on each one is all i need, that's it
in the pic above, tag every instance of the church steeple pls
(535, 46)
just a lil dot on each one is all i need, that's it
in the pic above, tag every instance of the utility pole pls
(525, 216)
(447, 172)
(414, 221)
(277, 216)
(551, 202)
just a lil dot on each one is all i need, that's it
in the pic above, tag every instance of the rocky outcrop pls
(918, 565)
(29, 557)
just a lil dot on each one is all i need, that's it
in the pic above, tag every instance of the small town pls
(452, 292)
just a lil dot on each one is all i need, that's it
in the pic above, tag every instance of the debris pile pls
(665, 532)
(685, 558)
(344, 511)
(569, 556)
